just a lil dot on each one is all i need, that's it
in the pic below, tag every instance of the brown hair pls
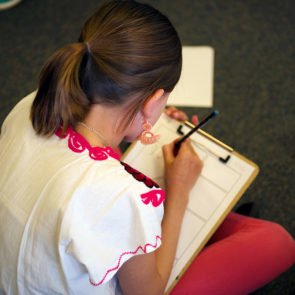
(126, 50)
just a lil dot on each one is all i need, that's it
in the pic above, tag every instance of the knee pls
(277, 241)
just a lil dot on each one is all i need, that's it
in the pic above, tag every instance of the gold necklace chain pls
(98, 134)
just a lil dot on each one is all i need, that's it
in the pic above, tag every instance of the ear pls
(153, 103)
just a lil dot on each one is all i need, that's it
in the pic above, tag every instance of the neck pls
(100, 126)
(100, 137)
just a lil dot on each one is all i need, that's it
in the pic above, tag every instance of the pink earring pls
(147, 136)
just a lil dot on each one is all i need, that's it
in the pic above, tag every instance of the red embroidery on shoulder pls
(143, 249)
(77, 143)
(156, 197)
(139, 176)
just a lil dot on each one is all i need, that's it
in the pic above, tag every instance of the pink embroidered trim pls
(155, 197)
(143, 249)
(77, 143)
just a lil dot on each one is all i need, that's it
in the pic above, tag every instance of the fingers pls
(179, 115)
(168, 152)
(186, 148)
(182, 170)
(195, 120)
(176, 114)
(187, 151)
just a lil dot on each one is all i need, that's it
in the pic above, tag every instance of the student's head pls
(127, 51)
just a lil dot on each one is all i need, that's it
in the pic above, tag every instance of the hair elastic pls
(88, 47)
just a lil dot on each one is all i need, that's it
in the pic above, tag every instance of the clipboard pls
(225, 177)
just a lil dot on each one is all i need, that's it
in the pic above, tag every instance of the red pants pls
(243, 255)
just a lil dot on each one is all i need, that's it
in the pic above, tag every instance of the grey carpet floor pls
(253, 81)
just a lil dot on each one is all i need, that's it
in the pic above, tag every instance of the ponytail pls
(133, 51)
(60, 101)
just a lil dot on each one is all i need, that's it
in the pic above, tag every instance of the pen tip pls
(216, 112)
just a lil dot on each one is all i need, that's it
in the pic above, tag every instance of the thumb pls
(168, 154)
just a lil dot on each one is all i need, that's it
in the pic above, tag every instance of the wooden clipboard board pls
(226, 173)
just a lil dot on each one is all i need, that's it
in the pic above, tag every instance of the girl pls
(77, 220)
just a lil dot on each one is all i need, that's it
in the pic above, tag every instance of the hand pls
(181, 171)
(179, 115)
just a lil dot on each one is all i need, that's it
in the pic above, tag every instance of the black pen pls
(202, 123)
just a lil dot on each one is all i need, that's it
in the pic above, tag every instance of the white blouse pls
(71, 214)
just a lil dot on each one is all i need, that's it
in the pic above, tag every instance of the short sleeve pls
(13, 119)
(108, 223)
